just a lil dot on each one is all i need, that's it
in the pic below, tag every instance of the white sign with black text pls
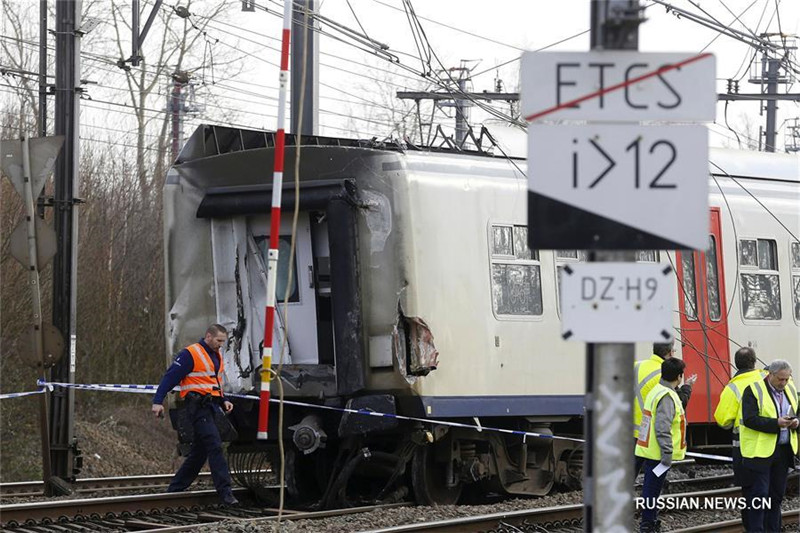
(617, 302)
(618, 86)
(651, 178)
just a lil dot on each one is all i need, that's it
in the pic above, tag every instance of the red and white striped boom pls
(275, 225)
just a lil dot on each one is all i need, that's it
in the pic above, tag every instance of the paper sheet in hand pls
(659, 469)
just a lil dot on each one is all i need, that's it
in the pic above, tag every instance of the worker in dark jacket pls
(197, 369)
(647, 374)
(769, 441)
(728, 413)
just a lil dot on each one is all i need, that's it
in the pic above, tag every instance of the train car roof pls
(212, 140)
(750, 164)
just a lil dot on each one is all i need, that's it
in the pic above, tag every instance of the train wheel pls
(429, 479)
(305, 475)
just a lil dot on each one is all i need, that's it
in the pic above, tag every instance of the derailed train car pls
(413, 292)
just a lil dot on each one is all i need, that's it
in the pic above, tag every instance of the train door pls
(301, 303)
(704, 323)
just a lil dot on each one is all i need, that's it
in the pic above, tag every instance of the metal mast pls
(305, 42)
(608, 453)
(62, 441)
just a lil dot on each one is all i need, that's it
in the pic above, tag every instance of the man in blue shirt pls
(197, 369)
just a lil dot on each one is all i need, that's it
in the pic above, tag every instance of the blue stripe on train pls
(469, 406)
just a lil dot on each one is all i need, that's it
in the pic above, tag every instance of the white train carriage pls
(413, 291)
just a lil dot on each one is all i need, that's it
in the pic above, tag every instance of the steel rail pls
(790, 517)
(36, 488)
(556, 516)
(57, 510)
(287, 515)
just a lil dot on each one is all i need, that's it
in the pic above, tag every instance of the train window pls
(516, 273)
(521, 250)
(580, 255)
(796, 295)
(712, 280)
(502, 242)
(689, 285)
(748, 253)
(761, 292)
(647, 256)
(795, 252)
(284, 247)
(767, 255)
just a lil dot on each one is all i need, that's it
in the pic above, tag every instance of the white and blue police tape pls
(108, 387)
(20, 394)
(150, 389)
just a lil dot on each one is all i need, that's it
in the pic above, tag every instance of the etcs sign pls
(619, 185)
(618, 86)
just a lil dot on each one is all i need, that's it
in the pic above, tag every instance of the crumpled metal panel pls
(423, 356)
(414, 349)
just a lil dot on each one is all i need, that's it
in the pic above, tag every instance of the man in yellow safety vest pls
(729, 409)
(647, 374)
(662, 438)
(769, 441)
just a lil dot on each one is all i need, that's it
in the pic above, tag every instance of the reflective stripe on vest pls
(757, 443)
(736, 391)
(728, 413)
(644, 383)
(737, 422)
(647, 444)
(202, 379)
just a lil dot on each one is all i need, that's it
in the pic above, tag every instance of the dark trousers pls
(638, 462)
(206, 445)
(736, 455)
(651, 490)
(765, 481)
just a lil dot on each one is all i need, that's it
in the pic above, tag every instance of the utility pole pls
(768, 76)
(305, 61)
(42, 68)
(62, 444)
(462, 103)
(177, 107)
(772, 105)
(608, 454)
(792, 136)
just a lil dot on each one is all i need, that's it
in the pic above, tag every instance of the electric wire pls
(759, 202)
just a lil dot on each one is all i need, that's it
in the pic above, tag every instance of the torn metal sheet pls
(414, 349)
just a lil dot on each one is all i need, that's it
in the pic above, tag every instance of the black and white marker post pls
(602, 178)
(608, 426)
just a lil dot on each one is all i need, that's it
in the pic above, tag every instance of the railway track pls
(790, 518)
(170, 512)
(561, 519)
(87, 485)
(109, 509)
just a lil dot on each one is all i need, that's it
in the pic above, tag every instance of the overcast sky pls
(358, 88)
(488, 34)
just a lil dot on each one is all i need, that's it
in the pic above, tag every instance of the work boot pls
(647, 527)
(229, 500)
